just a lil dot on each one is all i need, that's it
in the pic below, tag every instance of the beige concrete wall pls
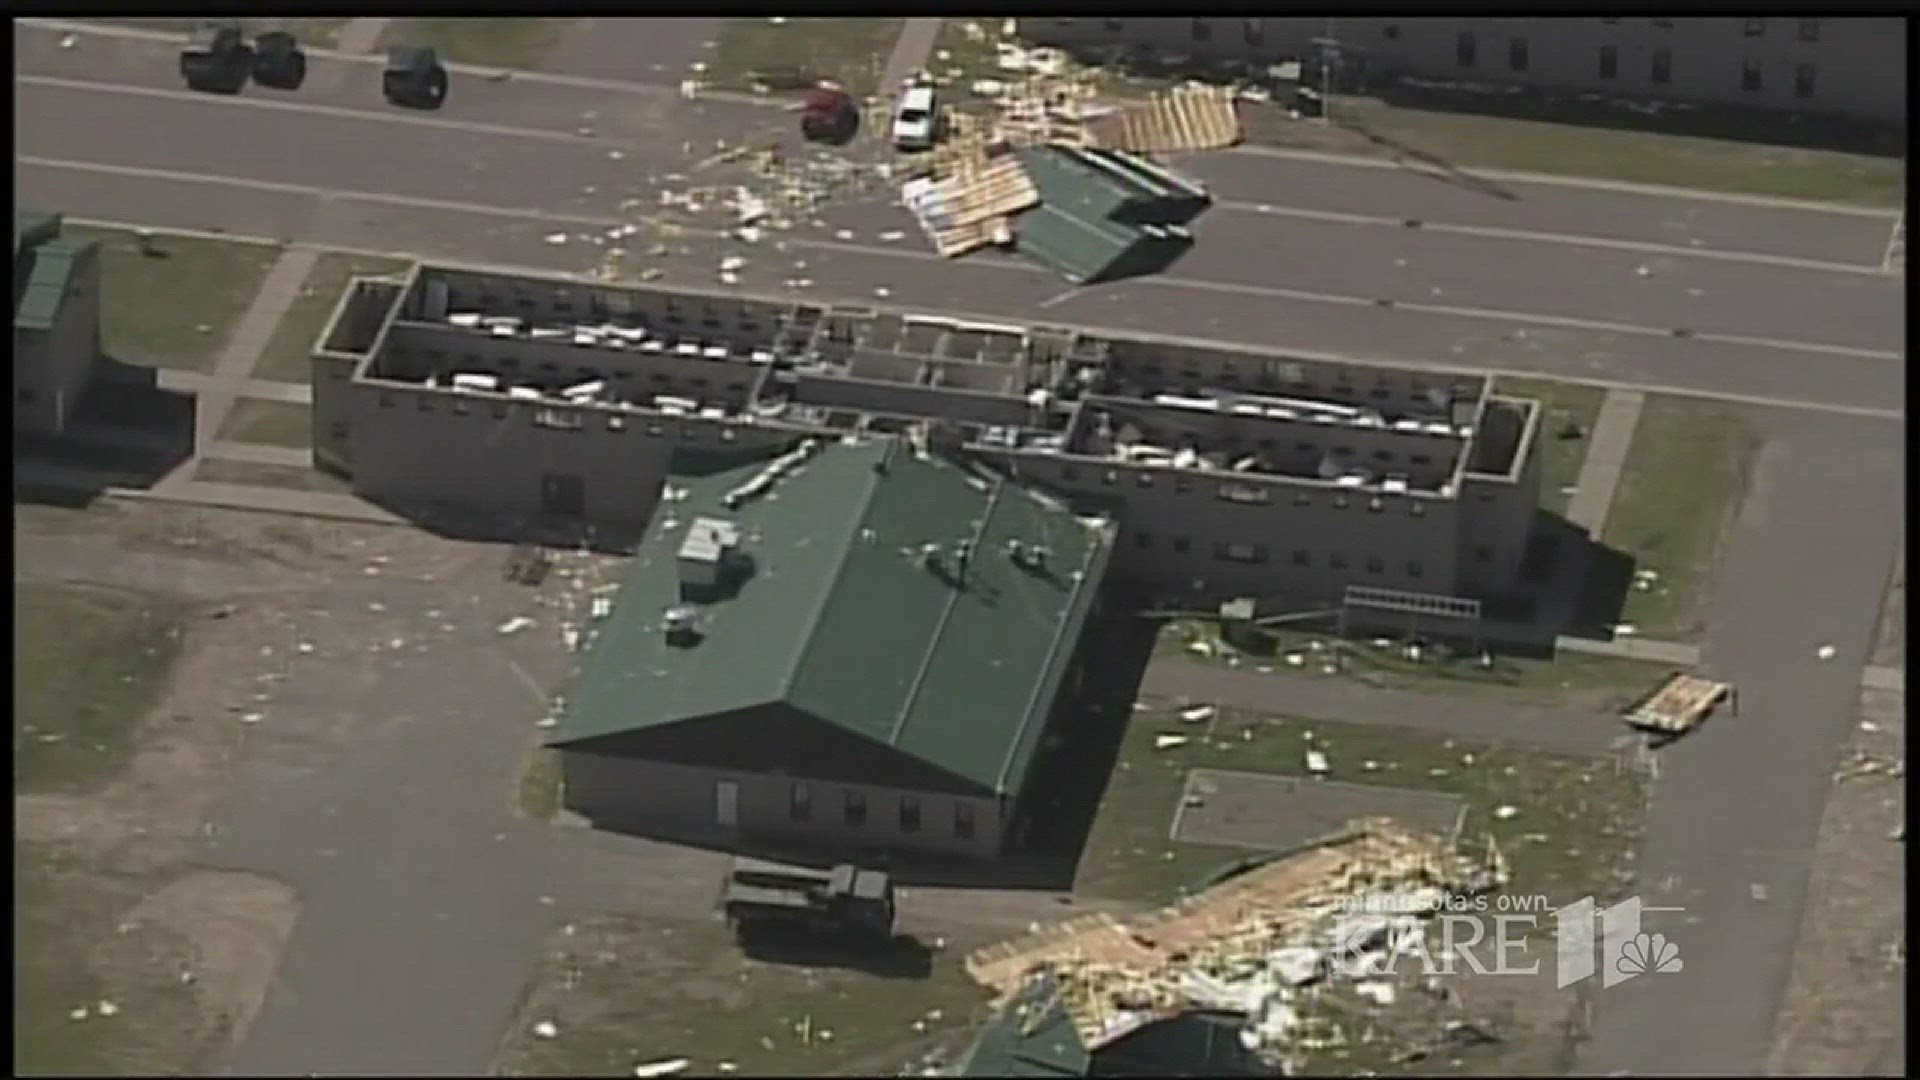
(681, 801)
(1859, 63)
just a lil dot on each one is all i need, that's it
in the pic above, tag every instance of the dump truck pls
(845, 901)
(278, 61)
(414, 77)
(216, 57)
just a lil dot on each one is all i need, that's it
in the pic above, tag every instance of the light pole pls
(1328, 48)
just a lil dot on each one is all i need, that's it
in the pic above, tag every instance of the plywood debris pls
(969, 207)
(1114, 977)
(1680, 704)
(1194, 117)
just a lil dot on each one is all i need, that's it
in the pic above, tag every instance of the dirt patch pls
(1269, 813)
(1844, 1012)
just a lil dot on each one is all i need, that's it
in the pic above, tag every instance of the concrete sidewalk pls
(1606, 456)
(256, 326)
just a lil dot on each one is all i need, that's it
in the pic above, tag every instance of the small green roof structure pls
(44, 263)
(910, 601)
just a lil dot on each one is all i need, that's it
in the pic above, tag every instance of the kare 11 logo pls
(1620, 950)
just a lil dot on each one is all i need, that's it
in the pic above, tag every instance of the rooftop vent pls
(711, 546)
(681, 623)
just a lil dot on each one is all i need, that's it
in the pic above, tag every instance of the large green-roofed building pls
(857, 642)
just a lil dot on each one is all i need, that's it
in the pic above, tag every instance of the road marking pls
(335, 111)
(1649, 247)
(1735, 397)
(581, 82)
(1895, 260)
(1547, 179)
(1166, 282)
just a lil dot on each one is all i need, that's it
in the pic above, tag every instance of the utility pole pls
(1327, 49)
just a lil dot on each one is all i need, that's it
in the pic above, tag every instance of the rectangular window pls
(1142, 540)
(1463, 50)
(1375, 564)
(1517, 54)
(909, 814)
(1609, 61)
(1803, 80)
(1111, 476)
(1183, 483)
(1302, 558)
(1809, 29)
(1112, 26)
(1662, 66)
(1181, 545)
(1337, 561)
(1145, 479)
(1416, 509)
(1340, 502)
(800, 802)
(963, 820)
(1243, 493)
(499, 410)
(1483, 553)
(855, 807)
(1374, 505)
(1202, 30)
(1301, 498)
(1756, 27)
(386, 401)
(1414, 569)
(558, 419)
(339, 431)
(1246, 553)
(616, 423)
(461, 408)
(1068, 472)
(1750, 75)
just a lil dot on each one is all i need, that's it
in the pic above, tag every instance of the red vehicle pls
(829, 115)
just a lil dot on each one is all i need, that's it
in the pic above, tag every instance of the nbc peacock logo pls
(1629, 951)
(1648, 954)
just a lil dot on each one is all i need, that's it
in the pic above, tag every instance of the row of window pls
(1809, 29)
(1257, 553)
(548, 416)
(1250, 494)
(510, 364)
(1659, 69)
(853, 810)
(561, 303)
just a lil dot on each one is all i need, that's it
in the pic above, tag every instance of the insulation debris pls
(1245, 944)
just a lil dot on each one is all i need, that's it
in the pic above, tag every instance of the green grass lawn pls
(176, 309)
(1564, 404)
(275, 423)
(287, 352)
(851, 52)
(1568, 678)
(1471, 141)
(624, 991)
(538, 792)
(506, 43)
(1578, 814)
(89, 662)
(1680, 490)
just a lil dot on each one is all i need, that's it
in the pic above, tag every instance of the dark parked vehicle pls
(829, 116)
(845, 901)
(278, 61)
(216, 57)
(414, 77)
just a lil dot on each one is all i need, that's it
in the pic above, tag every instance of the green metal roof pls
(842, 619)
(1093, 205)
(1079, 248)
(32, 227)
(1032, 1036)
(37, 305)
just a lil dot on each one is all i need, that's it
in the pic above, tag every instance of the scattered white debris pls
(546, 722)
(1625, 629)
(601, 607)
(1380, 993)
(304, 647)
(662, 1068)
(80, 1013)
(70, 41)
(893, 236)
(1825, 652)
(251, 718)
(749, 234)
(1382, 643)
(1758, 892)
(570, 638)
(1316, 762)
(557, 238)
(1198, 713)
(515, 624)
(1294, 659)
(1168, 742)
(727, 1067)
(1868, 725)
(843, 234)
(616, 155)
(1201, 648)
(1505, 812)
(882, 291)
(1370, 765)
(1643, 271)
(546, 1029)
(108, 1008)
(731, 263)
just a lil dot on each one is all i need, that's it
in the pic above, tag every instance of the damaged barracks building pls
(862, 519)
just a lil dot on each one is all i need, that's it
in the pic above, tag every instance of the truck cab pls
(414, 77)
(216, 57)
(843, 901)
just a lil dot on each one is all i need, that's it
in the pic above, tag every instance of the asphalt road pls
(1738, 803)
(1250, 175)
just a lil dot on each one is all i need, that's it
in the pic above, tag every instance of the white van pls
(917, 119)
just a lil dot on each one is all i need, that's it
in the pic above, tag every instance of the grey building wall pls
(1858, 65)
(51, 367)
(666, 799)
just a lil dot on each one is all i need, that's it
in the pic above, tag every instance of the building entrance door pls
(563, 495)
(726, 804)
